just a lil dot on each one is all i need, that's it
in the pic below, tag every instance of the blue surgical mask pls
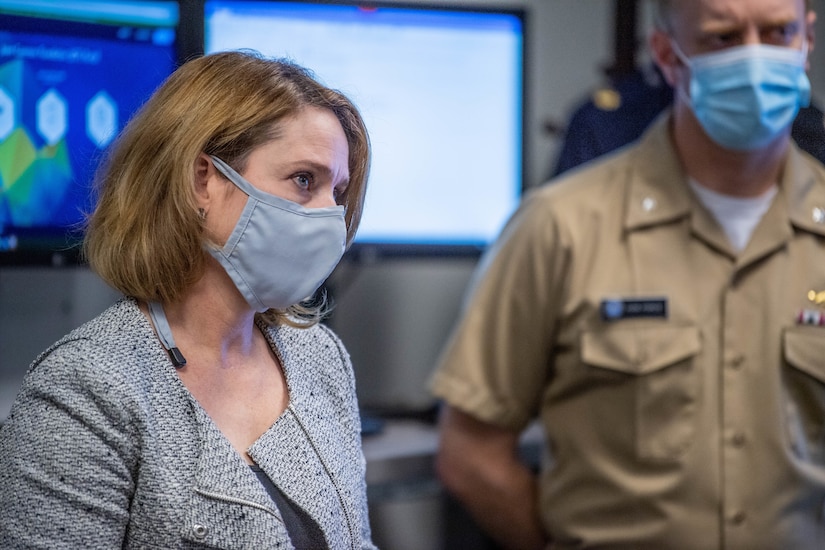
(279, 252)
(745, 96)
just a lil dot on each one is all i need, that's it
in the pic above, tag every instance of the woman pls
(208, 408)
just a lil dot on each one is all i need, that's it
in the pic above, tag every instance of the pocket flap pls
(805, 350)
(639, 350)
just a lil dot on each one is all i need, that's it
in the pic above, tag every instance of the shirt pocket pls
(660, 383)
(804, 403)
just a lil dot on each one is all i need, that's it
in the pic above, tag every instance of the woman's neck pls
(214, 319)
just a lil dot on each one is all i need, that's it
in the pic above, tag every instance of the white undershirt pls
(738, 216)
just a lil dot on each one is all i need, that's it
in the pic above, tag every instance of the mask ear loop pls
(680, 54)
(804, 50)
(681, 92)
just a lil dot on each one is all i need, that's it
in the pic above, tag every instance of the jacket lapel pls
(300, 452)
(228, 508)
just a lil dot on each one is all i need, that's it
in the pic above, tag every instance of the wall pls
(392, 314)
(37, 306)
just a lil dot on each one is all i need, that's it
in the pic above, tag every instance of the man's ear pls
(661, 50)
(810, 34)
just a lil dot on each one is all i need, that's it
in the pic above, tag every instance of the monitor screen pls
(441, 91)
(71, 75)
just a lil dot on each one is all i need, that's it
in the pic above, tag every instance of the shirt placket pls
(735, 438)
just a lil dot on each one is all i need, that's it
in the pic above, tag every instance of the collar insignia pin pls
(816, 297)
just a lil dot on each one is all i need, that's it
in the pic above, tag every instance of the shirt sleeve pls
(66, 457)
(499, 357)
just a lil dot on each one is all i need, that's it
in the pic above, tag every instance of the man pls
(661, 312)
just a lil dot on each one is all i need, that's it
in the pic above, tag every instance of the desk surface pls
(402, 449)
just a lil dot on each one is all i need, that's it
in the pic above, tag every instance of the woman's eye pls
(304, 181)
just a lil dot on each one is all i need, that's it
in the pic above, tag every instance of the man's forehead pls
(722, 15)
(739, 9)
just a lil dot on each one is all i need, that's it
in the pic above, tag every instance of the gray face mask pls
(279, 252)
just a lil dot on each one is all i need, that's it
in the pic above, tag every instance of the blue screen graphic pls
(68, 84)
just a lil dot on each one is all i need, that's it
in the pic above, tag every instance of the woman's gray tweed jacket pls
(105, 448)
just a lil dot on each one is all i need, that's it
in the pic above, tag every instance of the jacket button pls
(199, 531)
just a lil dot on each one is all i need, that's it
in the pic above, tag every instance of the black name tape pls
(633, 308)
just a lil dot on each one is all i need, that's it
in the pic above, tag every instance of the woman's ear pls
(204, 171)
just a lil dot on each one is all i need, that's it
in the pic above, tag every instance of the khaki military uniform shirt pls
(681, 386)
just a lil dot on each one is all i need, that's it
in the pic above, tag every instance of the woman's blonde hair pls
(145, 237)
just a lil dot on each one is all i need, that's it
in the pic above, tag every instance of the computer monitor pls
(71, 75)
(441, 90)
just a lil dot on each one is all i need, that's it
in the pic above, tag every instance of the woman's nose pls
(322, 200)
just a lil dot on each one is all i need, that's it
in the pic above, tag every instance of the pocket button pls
(737, 518)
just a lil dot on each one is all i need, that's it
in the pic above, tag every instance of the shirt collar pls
(804, 192)
(659, 192)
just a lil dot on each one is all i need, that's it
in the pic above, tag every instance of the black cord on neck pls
(177, 357)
